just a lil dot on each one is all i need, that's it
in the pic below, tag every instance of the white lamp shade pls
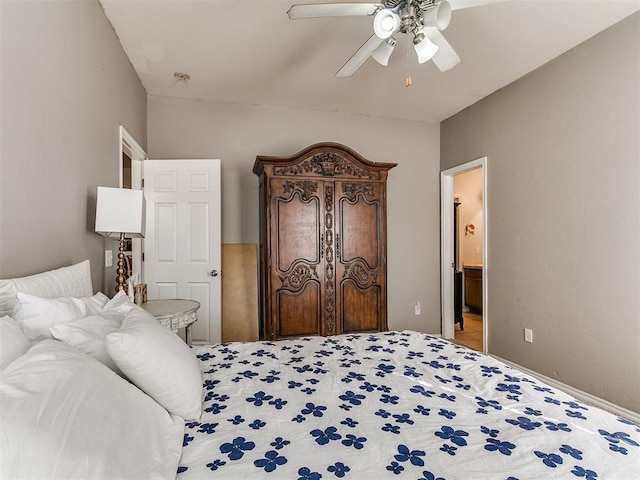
(120, 210)
(425, 49)
(384, 51)
(385, 23)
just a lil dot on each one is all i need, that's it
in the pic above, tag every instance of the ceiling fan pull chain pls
(407, 81)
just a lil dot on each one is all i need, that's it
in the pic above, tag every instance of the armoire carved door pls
(323, 258)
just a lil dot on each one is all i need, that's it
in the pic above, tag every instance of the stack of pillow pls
(92, 387)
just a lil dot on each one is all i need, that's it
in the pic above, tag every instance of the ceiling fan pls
(421, 20)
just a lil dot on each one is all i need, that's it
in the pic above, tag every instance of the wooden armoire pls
(323, 243)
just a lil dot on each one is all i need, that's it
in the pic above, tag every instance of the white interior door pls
(182, 241)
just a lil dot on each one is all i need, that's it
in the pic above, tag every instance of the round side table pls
(174, 314)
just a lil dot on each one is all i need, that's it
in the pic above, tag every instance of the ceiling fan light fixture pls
(385, 23)
(384, 51)
(425, 48)
(439, 16)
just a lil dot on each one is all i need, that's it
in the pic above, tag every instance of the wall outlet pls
(108, 258)
(528, 335)
(477, 249)
(417, 308)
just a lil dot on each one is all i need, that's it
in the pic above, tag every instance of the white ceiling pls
(248, 51)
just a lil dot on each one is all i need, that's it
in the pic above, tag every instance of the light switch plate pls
(528, 335)
(108, 258)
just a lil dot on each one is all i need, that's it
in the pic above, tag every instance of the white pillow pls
(13, 343)
(120, 304)
(159, 362)
(88, 334)
(37, 314)
(71, 281)
(65, 415)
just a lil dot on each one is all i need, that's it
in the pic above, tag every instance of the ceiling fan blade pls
(361, 56)
(445, 58)
(460, 4)
(314, 10)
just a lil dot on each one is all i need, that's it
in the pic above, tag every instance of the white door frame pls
(137, 155)
(446, 247)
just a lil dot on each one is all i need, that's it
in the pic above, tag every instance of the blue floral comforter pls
(392, 405)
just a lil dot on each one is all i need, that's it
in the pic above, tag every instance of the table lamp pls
(120, 213)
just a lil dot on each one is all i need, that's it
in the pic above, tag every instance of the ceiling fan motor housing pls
(430, 13)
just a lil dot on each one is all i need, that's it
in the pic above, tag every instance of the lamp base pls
(121, 280)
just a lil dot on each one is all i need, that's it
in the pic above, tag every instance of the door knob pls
(213, 273)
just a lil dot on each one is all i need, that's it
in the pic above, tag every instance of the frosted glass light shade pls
(120, 210)
(425, 49)
(384, 51)
(439, 16)
(385, 23)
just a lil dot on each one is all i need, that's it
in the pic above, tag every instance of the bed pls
(397, 404)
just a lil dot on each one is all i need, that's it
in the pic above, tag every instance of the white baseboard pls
(579, 394)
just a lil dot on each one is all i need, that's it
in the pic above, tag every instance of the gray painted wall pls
(563, 148)
(180, 128)
(66, 86)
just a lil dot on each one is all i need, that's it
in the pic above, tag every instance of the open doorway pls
(130, 167)
(463, 212)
